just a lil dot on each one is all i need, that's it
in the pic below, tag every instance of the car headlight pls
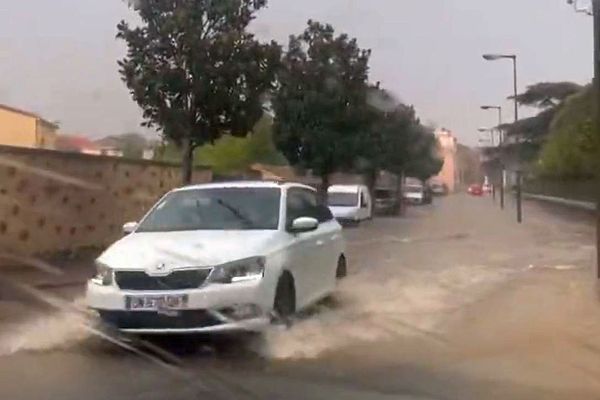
(104, 275)
(248, 269)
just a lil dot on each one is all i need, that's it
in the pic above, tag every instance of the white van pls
(350, 203)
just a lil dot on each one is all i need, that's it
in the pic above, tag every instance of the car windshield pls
(339, 199)
(215, 209)
(413, 189)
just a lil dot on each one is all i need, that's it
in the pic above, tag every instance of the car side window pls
(324, 213)
(363, 200)
(301, 203)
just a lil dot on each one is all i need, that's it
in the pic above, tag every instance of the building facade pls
(25, 129)
(449, 174)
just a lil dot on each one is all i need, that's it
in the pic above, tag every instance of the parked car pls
(350, 203)
(439, 189)
(387, 202)
(475, 190)
(417, 194)
(220, 257)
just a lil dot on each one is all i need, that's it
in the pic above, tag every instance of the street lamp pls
(499, 108)
(490, 131)
(513, 57)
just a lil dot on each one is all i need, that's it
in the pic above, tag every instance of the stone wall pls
(53, 201)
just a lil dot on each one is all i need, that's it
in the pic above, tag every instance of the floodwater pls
(455, 300)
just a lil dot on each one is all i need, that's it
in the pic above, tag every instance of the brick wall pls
(54, 201)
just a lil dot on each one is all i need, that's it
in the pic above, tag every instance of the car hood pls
(145, 250)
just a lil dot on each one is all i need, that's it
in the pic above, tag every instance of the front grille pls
(187, 319)
(177, 280)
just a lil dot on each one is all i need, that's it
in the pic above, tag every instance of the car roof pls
(244, 184)
(344, 188)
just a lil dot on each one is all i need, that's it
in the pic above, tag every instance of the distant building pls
(110, 146)
(78, 144)
(449, 174)
(26, 129)
(148, 153)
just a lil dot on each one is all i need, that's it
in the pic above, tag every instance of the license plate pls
(156, 303)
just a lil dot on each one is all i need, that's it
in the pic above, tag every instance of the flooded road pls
(455, 301)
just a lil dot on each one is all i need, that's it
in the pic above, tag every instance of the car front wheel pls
(341, 270)
(284, 304)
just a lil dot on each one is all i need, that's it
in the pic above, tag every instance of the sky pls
(58, 57)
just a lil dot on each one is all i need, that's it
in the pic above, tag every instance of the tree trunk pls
(400, 192)
(323, 189)
(187, 161)
(371, 181)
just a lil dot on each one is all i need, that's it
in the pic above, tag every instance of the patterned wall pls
(54, 201)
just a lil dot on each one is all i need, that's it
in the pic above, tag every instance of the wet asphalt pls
(453, 301)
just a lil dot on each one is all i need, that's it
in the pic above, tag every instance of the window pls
(324, 213)
(363, 200)
(342, 199)
(215, 209)
(301, 203)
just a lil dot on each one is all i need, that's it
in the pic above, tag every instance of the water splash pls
(368, 312)
(60, 330)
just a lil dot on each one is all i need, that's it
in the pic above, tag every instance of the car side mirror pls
(303, 224)
(129, 227)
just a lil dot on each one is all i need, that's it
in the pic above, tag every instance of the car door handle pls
(320, 243)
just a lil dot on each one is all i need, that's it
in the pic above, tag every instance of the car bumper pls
(207, 309)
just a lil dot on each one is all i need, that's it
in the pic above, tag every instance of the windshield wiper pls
(241, 216)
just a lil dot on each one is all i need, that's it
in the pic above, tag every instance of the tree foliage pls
(230, 154)
(320, 107)
(573, 146)
(547, 94)
(398, 142)
(195, 70)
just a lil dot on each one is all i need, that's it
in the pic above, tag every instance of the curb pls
(583, 205)
(57, 285)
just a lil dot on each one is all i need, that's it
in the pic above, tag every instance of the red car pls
(475, 190)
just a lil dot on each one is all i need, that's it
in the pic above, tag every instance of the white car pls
(350, 203)
(220, 257)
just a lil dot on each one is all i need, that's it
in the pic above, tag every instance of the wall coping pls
(4, 149)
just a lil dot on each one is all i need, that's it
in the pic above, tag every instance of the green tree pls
(233, 154)
(321, 103)
(572, 149)
(195, 70)
(424, 161)
(398, 142)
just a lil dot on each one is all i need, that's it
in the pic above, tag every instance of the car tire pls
(284, 305)
(341, 271)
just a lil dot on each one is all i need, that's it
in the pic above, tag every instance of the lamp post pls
(500, 141)
(513, 57)
(499, 108)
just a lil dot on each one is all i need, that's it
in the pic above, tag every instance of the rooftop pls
(27, 114)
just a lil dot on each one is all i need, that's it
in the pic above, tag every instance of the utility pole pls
(595, 13)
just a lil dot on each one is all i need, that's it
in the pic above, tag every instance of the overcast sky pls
(58, 57)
